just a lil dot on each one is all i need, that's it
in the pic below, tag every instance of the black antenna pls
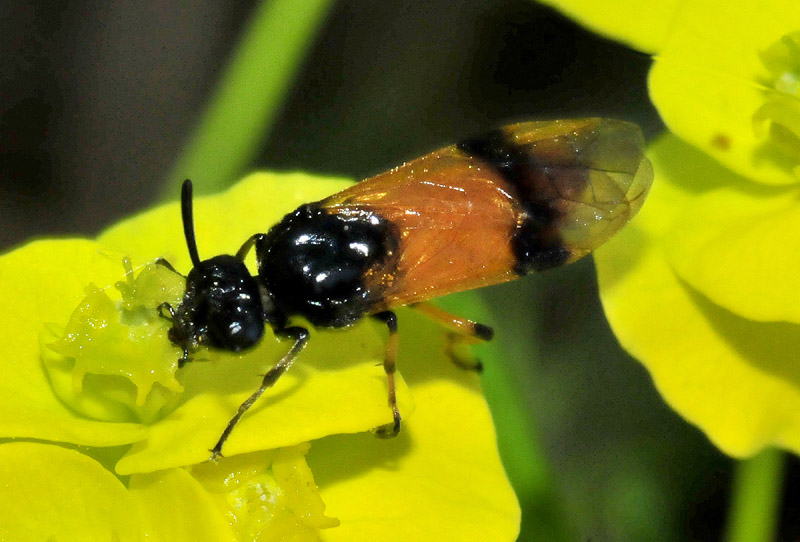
(188, 221)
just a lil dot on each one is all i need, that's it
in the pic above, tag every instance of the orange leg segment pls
(390, 319)
(464, 331)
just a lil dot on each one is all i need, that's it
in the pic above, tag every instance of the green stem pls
(523, 454)
(753, 515)
(249, 95)
(522, 451)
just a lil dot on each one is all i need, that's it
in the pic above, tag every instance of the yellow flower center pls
(267, 495)
(113, 360)
(778, 119)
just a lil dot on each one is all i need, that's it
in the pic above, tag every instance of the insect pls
(524, 198)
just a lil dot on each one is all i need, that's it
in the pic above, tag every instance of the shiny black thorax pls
(221, 308)
(314, 263)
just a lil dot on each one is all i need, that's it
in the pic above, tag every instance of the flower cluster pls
(701, 287)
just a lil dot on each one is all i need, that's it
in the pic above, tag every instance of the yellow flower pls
(727, 80)
(121, 452)
(641, 25)
(701, 286)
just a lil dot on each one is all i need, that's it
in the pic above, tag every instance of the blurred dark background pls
(97, 98)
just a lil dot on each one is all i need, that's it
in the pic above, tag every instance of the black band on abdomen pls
(536, 242)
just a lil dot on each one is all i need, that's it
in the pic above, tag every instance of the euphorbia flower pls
(122, 436)
(701, 286)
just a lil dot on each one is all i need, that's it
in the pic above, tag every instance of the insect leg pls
(171, 312)
(390, 319)
(165, 263)
(300, 336)
(463, 332)
(170, 317)
(242, 253)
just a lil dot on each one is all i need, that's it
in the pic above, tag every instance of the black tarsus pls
(483, 332)
(170, 310)
(164, 263)
(300, 336)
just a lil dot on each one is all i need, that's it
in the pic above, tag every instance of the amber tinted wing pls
(453, 219)
(527, 197)
(590, 175)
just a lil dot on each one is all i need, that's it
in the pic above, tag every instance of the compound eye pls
(236, 329)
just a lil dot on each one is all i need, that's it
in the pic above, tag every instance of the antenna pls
(188, 221)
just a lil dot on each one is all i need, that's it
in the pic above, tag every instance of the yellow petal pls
(640, 25)
(736, 379)
(710, 83)
(52, 493)
(43, 282)
(336, 386)
(440, 479)
(735, 245)
(175, 507)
